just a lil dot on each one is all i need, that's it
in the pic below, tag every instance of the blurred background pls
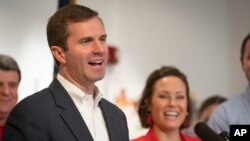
(200, 37)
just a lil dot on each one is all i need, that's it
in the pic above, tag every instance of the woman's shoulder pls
(190, 138)
(149, 136)
(141, 138)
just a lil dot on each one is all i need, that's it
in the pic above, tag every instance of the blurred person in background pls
(205, 111)
(10, 77)
(208, 106)
(165, 106)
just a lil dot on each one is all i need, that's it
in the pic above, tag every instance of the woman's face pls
(169, 103)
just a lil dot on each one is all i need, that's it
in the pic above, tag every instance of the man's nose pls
(5, 90)
(98, 47)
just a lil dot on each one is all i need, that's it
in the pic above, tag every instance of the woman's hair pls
(144, 103)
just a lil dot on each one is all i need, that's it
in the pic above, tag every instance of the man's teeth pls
(95, 62)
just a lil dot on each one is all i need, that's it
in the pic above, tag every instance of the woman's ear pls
(148, 105)
(58, 53)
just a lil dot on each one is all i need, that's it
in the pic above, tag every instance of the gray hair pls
(7, 63)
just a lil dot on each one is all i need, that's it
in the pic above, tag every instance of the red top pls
(1, 132)
(150, 136)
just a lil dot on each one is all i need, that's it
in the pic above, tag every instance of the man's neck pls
(2, 122)
(3, 119)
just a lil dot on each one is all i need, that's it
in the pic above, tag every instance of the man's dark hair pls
(243, 46)
(57, 27)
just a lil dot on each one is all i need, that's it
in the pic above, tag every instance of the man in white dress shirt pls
(71, 108)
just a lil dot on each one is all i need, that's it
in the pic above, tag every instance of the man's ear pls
(58, 53)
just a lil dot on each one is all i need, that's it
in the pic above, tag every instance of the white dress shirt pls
(88, 108)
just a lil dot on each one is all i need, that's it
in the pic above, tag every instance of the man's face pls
(245, 61)
(9, 81)
(85, 61)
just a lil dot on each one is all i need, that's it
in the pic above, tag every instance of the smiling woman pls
(165, 105)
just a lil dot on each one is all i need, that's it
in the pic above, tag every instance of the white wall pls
(201, 37)
(23, 36)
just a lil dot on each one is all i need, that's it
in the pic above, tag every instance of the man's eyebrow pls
(85, 38)
(104, 36)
